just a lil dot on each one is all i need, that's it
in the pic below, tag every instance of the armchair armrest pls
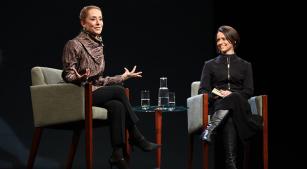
(57, 103)
(197, 112)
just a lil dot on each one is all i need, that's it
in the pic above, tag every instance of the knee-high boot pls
(230, 142)
(215, 121)
(137, 139)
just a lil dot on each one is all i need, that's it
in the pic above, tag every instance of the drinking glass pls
(145, 99)
(172, 100)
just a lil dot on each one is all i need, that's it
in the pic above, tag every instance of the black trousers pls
(241, 113)
(120, 113)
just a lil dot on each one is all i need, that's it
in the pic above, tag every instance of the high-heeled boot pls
(230, 139)
(118, 160)
(137, 139)
(215, 121)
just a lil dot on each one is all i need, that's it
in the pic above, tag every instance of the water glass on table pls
(172, 100)
(145, 99)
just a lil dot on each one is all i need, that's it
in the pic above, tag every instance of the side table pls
(158, 124)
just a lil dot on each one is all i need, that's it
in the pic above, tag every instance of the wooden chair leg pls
(73, 148)
(89, 147)
(205, 123)
(265, 153)
(190, 149)
(127, 148)
(265, 132)
(88, 126)
(35, 144)
(205, 156)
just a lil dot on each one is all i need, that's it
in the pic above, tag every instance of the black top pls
(215, 75)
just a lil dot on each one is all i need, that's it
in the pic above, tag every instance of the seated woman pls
(232, 78)
(83, 61)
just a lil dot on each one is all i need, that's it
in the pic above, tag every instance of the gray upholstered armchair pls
(198, 117)
(63, 106)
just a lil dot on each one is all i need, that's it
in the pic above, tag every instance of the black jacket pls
(215, 75)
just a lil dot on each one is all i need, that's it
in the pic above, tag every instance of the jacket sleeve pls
(205, 82)
(248, 84)
(205, 85)
(105, 81)
(70, 61)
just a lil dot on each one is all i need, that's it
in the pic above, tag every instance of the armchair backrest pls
(256, 105)
(194, 88)
(196, 109)
(45, 75)
(54, 102)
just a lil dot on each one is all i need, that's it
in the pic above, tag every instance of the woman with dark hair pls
(83, 61)
(232, 78)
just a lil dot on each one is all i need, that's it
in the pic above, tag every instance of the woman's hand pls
(84, 76)
(225, 92)
(129, 74)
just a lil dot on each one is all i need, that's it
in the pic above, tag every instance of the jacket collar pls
(222, 58)
(93, 46)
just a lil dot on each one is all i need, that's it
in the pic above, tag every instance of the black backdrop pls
(169, 38)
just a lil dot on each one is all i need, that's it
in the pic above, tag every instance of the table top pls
(154, 108)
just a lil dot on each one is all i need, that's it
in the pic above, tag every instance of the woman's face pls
(223, 45)
(93, 21)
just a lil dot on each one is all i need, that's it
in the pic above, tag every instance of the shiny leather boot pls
(230, 141)
(137, 139)
(215, 121)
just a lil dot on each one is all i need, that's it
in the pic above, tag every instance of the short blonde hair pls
(84, 10)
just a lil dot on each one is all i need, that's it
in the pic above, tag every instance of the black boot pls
(215, 121)
(230, 144)
(137, 139)
(118, 160)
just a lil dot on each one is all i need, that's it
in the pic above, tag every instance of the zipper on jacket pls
(228, 72)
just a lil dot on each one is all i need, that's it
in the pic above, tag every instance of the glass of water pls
(172, 100)
(145, 99)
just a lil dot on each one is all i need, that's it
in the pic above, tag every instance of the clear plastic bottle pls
(163, 97)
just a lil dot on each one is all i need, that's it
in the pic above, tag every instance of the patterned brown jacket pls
(83, 52)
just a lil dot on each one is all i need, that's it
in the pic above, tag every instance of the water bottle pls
(163, 97)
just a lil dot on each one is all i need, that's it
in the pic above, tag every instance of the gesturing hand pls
(84, 76)
(129, 74)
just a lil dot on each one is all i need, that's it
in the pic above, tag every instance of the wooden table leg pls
(158, 122)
